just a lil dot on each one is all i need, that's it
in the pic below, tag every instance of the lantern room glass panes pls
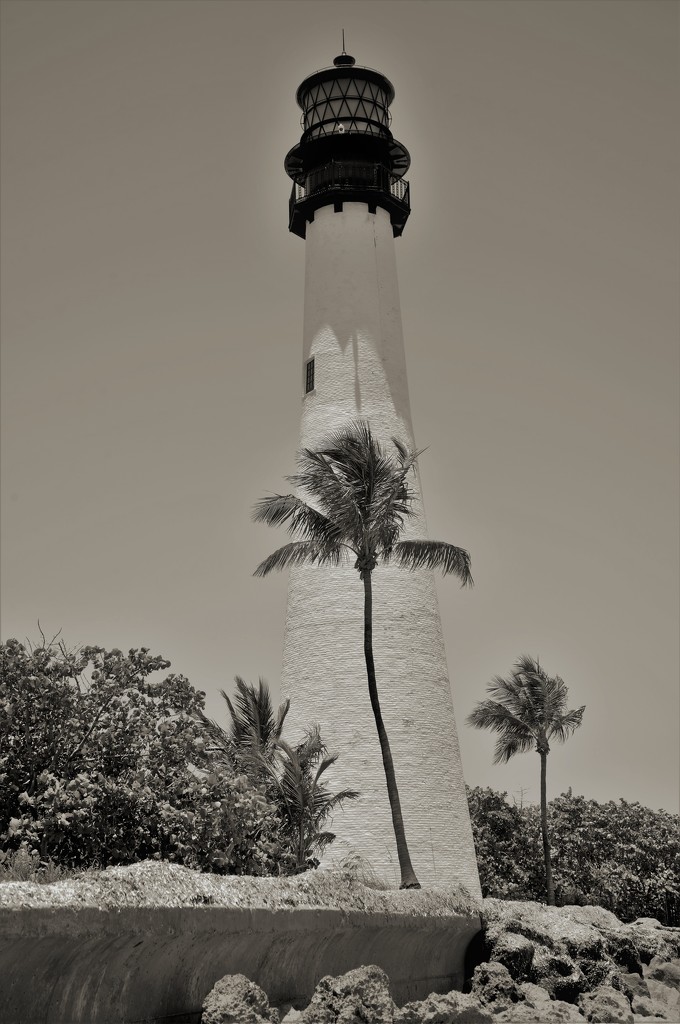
(345, 105)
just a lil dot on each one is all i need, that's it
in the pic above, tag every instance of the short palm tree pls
(527, 710)
(252, 745)
(255, 729)
(305, 802)
(359, 498)
(253, 732)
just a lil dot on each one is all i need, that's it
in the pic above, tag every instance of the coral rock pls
(494, 987)
(452, 1008)
(290, 1015)
(361, 995)
(552, 1012)
(235, 1000)
(649, 1009)
(622, 950)
(665, 998)
(558, 973)
(606, 1006)
(632, 986)
(546, 1010)
(653, 940)
(514, 952)
(667, 972)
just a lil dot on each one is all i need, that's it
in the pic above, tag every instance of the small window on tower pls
(309, 376)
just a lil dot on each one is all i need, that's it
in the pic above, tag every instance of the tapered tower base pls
(352, 331)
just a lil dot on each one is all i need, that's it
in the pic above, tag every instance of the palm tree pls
(305, 802)
(527, 710)
(360, 497)
(255, 729)
(291, 775)
(253, 732)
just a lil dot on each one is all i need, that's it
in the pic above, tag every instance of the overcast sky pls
(152, 328)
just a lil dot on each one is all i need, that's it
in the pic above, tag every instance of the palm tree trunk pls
(550, 891)
(408, 875)
(301, 862)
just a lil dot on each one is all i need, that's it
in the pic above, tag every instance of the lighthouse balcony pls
(341, 182)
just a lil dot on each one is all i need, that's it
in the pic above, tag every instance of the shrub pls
(24, 865)
(102, 762)
(509, 851)
(618, 855)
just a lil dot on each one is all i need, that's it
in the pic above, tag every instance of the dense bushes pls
(617, 855)
(102, 762)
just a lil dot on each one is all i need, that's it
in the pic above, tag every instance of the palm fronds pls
(526, 709)
(300, 552)
(306, 802)
(434, 554)
(515, 736)
(359, 499)
(302, 520)
(252, 715)
(563, 727)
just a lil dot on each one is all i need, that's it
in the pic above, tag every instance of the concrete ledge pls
(90, 966)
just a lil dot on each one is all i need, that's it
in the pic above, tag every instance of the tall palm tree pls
(527, 710)
(305, 802)
(359, 497)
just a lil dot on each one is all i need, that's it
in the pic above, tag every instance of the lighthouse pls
(349, 202)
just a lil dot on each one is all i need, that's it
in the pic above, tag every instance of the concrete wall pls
(352, 328)
(88, 966)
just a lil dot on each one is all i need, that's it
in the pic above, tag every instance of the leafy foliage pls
(290, 775)
(305, 801)
(24, 865)
(508, 847)
(249, 743)
(101, 762)
(617, 855)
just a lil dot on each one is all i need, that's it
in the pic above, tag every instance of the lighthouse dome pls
(345, 98)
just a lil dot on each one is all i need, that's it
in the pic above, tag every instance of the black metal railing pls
(363, 182)
(351, 175)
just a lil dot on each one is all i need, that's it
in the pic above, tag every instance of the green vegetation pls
(24, 865)
(105, 761)
(616, 855)
(359, 498)
(290, 775)
(527, 710)
(307, 803)
(248, 745)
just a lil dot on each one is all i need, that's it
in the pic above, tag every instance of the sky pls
(152, 302)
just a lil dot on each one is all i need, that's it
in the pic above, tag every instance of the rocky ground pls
(538, 964)
(534, 963)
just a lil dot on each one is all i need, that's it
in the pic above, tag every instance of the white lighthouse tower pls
(349, 201)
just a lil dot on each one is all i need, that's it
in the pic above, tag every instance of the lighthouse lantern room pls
(347, 152)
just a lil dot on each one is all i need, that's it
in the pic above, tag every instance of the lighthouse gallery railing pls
(351, 176)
